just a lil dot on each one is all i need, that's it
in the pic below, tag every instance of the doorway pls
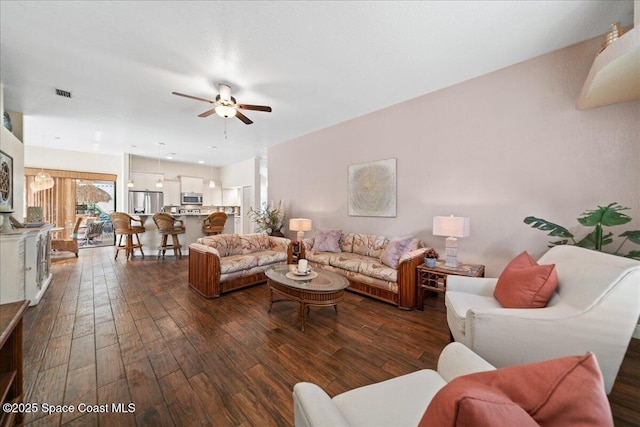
(90, 196)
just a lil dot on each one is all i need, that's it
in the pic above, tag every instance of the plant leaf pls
(606, 215)
(589, 241)
(555, 230)
(633, 254)
(632, 235)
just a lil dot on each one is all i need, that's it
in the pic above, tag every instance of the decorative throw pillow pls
(561, 392)
(327, 241)
(396, 247)
(525, 284)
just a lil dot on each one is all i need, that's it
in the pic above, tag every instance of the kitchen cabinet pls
(172, 193)
(145, 181)
(230, 197)
(212, 196)
(190, 184)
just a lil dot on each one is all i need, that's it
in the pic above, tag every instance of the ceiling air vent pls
(64, 93)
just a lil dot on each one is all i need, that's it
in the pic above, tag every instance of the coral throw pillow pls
(327, 241)
(525, 284)
(394, 250)
(556, 393)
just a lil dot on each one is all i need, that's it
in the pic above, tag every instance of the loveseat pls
(375, 265)
(224, 262)
(466, 390)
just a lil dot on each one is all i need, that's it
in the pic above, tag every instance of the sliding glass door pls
(75, 194)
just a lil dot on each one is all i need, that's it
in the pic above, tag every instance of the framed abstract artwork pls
(6, 182)
(372, 189)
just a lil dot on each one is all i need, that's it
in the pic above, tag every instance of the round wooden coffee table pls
(321, 288)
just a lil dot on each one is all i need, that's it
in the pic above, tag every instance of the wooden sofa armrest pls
(204, 270)
(407, 278)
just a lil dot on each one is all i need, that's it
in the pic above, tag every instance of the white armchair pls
(595, 308)
(397, 402)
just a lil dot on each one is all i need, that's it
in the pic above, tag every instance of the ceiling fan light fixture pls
(225, 111)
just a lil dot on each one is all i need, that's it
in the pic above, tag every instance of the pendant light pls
(159, 183)
(130, 183)
(42, 180)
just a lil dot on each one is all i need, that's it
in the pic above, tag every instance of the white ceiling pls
(316, 63)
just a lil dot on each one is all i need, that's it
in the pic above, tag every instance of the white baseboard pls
(636, 332)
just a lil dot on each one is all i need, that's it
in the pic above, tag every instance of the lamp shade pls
(451, 226)
(300, 224)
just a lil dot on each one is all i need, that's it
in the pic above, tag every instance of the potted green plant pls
(604, 216)
(431, 257)
(268, 219)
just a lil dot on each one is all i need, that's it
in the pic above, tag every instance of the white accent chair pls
(397, 402)
(595, 308)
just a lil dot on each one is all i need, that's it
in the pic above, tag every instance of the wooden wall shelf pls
(615, 74)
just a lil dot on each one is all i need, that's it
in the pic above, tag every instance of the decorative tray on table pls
(295, 274)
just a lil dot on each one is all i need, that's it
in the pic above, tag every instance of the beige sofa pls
(224, 262)
(359, 260)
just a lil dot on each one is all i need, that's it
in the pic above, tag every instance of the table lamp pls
(300, 225)
(452, 227)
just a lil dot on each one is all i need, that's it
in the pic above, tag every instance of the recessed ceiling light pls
(213, 147)
(201, 161)
(169, 156)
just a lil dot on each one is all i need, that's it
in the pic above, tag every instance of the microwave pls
(190, 198)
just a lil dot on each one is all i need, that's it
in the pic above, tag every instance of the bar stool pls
(214, 223)
(123, 226)
(169, 226)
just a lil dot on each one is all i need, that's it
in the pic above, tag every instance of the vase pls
(6, 121)
(430, 262)
(276, 233)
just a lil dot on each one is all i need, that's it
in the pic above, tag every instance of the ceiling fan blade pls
(245, 119)
(207, 113)
(255, 107)
(193, 97)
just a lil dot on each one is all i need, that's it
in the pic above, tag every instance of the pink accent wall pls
(495, 148)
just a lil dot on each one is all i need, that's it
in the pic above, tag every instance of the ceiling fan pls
(226, 105)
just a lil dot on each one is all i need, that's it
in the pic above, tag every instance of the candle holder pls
(6, 222)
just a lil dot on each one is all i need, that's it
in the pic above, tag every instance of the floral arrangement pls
(431, 253)
(268, 218)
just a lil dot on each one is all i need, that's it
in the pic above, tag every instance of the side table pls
(11, 360)
(435, 279)
(295, 252)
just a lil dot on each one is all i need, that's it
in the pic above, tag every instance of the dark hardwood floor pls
(110, 332)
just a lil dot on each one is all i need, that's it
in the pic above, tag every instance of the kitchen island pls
(151, 238)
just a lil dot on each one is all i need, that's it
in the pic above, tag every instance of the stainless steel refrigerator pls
(147, 202)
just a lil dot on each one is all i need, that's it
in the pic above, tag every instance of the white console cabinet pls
(25, 261)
